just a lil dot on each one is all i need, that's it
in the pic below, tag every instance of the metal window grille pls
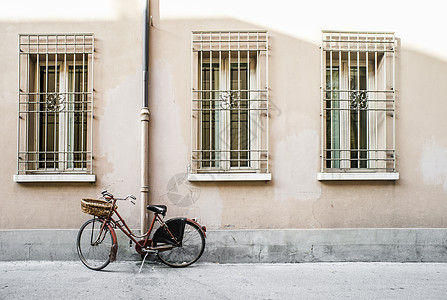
(358, 101)
(55, 103)
(229, 101)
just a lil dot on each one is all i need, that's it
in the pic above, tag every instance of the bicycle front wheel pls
(193, 244)
(94, 245)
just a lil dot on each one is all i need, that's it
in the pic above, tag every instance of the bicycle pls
(178, 242)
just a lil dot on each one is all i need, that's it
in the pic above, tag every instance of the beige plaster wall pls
(116, 124)
(294, 198)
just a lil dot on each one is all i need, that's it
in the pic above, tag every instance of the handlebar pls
(108, 196)
(132, 197)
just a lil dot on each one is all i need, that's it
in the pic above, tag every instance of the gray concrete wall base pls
(328, 245)
(257, 246)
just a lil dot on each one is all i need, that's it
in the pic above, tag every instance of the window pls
(229, 106)
(55, 107)
(358, 104)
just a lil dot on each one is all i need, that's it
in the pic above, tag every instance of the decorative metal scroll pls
(55, 102)
(359, 100)
(229, 100)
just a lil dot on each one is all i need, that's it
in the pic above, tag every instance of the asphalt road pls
(71, 280)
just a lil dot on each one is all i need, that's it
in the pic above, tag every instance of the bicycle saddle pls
(158, 209)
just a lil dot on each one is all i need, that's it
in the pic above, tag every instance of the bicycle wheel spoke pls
(93, 246)
(193, 244)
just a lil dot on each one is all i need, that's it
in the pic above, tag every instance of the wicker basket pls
(99, 208)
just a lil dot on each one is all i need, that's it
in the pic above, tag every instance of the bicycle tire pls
(95, 256)
(193, 245)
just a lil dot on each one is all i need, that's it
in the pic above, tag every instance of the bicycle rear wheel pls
(193, 244)
(94, 246)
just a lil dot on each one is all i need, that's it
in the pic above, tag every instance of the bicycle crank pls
(143, 251)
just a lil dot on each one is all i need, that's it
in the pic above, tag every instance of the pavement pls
(121, 280)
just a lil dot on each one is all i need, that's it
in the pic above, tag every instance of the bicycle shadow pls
(135, 266)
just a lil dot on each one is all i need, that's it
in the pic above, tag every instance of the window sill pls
(357, 176)
(230, 177)
(55, 178)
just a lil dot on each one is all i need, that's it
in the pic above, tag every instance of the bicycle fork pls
(101, 236)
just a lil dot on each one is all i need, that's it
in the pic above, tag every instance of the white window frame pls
(226, 49)
(375, 52)
(223, 134)
(65, 138)
(62, 53)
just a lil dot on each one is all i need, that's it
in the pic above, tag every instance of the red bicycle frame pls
(145, 244)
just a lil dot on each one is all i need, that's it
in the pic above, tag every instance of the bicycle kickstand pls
(144, 259)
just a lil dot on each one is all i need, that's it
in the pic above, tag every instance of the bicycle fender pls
(114, 248)
(202, 228)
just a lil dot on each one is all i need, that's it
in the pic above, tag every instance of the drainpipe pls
(144, 117)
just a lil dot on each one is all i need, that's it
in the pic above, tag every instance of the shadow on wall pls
(61, 12)
(294, 81)
(290, 90)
